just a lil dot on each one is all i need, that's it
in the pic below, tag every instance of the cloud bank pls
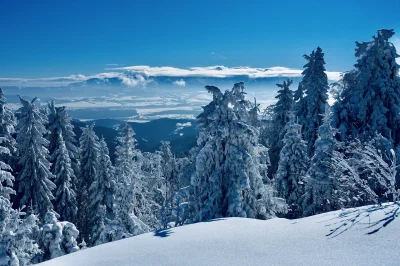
(141, 75)
(219, 72)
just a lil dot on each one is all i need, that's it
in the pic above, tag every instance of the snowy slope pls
(363, 236)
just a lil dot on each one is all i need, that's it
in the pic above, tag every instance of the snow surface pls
(360, 236)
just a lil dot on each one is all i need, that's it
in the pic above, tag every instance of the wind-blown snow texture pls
(361, 236)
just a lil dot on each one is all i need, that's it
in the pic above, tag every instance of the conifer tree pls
(34, 180)
(227, 182)
(168, 170)
(300, 103)
(60, 125)
(370, 100)
(281, 112)
(17, 238)
(6, 212)
(16, 243)
(284, 104)
(65, 197)
(57, 238)
(127, 175)
(315, 86)
(101, 195)
(89, 152)
(7, 129)
(292, 169)
(322, 186)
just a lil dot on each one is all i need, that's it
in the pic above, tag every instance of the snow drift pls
(367, 235)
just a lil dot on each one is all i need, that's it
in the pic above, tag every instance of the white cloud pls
(180, 83)
(141, 75)
(44, 81)
(129, 80)
(219, 72)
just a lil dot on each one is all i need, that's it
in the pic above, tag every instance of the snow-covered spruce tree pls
(227, 182)
(321, 190)
(65, 197)
(281, 112)
(370, 100)
(182, 210)
(170, 182)
(284, 104)
(89, 152)
(127, 175)
(101, 195)
(17, 244)
(7, 125)
(168, 169)
(57, 238)
(292, 168)
(315, 86)
(150, 191)
(34, 179)
(60, 123)
(300, 103)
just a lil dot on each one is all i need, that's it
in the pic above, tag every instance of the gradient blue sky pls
(59, 38)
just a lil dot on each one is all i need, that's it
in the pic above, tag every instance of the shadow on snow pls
(163, 232)
(167, 232)
(362, 216)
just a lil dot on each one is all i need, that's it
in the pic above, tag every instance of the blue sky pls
(60, 38)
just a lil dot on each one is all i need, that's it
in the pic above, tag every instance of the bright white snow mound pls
(368, 235)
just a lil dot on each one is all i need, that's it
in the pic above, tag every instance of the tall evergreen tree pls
(34, 180)
(292, 169)
(315, 86)
(7, 129)
(300, 106)
(284, 104)
(168, 169)
(101, 195)
(65, 197)
(60, 126)
(89, 152)
(227, 181)
(127, 174)
(16, 244)
(321, 183)
(6, 211)
(281, 112)
(170, 182)
(370, 100)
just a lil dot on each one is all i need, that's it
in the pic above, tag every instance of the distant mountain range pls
(139, 96)
(128, 82)
(148, 135)
(132, 97)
